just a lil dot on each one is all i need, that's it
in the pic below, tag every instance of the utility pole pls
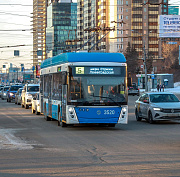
(96, 31)
(145, 68)
(17, 74)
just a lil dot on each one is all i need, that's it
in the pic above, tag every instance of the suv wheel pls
(26, 106)
(137, 116)
(150, 118)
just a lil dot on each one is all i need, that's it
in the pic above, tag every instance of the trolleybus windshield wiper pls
(106, 97)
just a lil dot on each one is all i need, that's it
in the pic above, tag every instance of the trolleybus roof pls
(83, 57)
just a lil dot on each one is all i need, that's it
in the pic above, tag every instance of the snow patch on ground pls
(8, 140)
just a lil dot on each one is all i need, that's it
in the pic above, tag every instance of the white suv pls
(28, 92)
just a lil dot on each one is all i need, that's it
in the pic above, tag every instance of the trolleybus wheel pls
(59, 116)
(63, 124)
(47, 118)
(111, 125)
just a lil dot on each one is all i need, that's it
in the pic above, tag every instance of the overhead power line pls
(14, 14)
(15, 5)
(18, 30)
(15, 46)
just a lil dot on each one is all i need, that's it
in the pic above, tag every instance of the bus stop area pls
(154, 80)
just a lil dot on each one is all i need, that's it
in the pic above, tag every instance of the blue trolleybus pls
(85, 88)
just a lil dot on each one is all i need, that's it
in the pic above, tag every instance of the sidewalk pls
(175, 90)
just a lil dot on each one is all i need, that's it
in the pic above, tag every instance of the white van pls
(28, 92)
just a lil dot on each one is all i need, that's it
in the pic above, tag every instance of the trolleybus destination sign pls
(98, 70)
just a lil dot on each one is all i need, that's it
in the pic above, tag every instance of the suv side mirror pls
(145, 101)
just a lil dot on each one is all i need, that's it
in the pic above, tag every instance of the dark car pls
(1, 88)
(133, 90)
(12, 91)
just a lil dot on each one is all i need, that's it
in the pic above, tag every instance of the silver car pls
(4, 92)
(36, 104)
(154, 106)
(18, 96)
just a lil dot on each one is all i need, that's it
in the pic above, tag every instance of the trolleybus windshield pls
(97, 86)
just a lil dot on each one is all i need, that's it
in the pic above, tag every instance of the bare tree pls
(149, 61)
(131, 57)
(168, 51)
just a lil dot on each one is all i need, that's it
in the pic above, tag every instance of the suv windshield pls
(32, 88)
(15, 88)
(6, 88)
(158, 98)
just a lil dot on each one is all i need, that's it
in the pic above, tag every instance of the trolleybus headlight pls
(124, 109)
(71, 110)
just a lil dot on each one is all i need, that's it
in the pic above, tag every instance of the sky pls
(15, 15)
(16, 18)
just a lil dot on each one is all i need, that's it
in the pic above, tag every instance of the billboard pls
(173, 10)
(169, 26)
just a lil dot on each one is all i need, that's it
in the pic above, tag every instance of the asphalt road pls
(30, 146)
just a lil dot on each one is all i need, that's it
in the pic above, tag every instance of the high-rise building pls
(96, 25)
(39, 31)
(61, 27)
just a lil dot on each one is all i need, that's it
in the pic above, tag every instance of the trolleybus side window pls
(46, 86)
(75, 88)
(57, 86)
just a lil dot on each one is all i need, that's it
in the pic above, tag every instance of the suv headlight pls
(11, 94)
(29, 95)
(157, 109)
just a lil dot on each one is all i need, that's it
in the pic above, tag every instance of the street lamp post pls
(17, 72)
(145, 64)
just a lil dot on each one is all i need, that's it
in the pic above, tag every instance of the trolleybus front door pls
(50, 96)
(64, 101)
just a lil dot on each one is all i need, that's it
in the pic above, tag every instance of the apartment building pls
(141, 27)
(39, 31)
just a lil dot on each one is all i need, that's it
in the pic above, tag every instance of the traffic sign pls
(152, 76)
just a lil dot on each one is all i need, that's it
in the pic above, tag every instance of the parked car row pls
(25, 95)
